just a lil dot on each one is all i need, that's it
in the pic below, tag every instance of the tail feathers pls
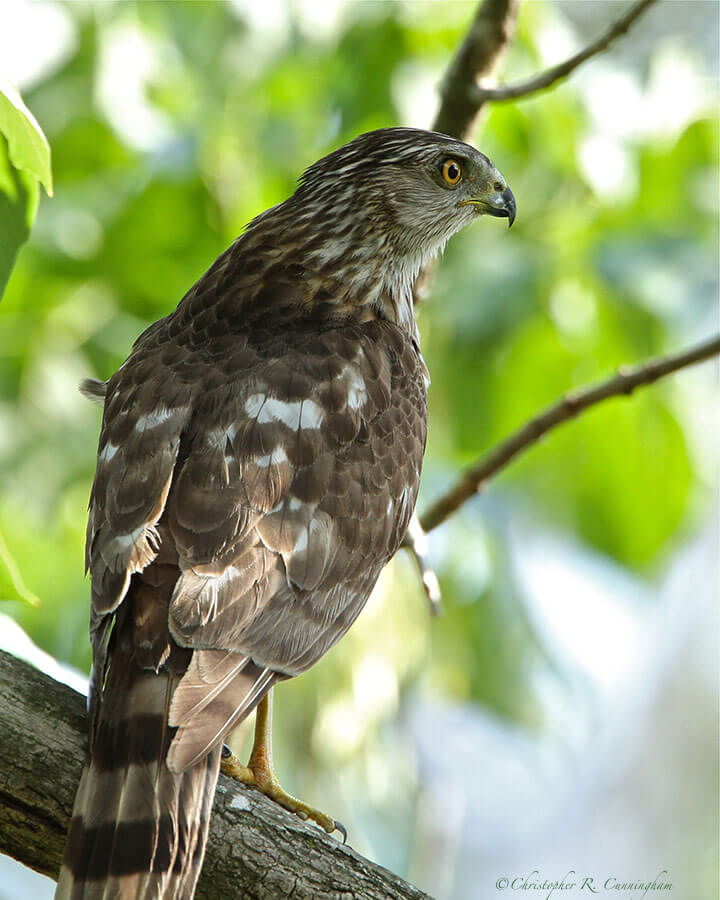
(138, 830)
(93, 389)
(218, 690)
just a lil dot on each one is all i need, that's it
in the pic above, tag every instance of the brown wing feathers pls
(236, 529)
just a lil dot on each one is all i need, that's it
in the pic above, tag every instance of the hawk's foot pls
(259, 772)
(260, 776)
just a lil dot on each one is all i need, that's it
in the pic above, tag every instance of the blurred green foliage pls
(173, 124)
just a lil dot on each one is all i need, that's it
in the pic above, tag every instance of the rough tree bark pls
(256, 850)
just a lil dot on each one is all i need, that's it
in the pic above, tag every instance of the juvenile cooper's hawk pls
(258, 465)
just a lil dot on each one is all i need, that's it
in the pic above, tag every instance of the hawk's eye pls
(451, 172)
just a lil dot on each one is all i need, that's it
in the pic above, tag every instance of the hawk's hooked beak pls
(503, 205)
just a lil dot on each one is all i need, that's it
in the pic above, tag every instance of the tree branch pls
(256, 850)
(415, 542)
(478, 57)
(544, 80)
(462, 98)
(568, 407)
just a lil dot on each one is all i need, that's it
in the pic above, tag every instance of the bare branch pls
(568, 407)
(479, 55)
(546, 79)
(256, 850)
(462, 98)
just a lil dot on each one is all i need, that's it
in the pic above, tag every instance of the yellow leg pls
(260, 774)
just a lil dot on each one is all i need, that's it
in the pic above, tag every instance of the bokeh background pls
(562, 713)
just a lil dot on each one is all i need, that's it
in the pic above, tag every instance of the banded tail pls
(138, 830)
(139, 827)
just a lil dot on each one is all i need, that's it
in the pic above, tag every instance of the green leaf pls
(24, 160)
(28, 148)
(12, 586)
(19, 195)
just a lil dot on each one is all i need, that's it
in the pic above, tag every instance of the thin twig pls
(415, 542)
(546, 79)
(569, 406)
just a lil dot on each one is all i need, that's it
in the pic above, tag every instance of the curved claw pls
(342, 829)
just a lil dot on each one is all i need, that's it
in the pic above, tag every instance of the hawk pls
(258, 465)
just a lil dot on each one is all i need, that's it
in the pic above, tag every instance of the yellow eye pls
(451, 172)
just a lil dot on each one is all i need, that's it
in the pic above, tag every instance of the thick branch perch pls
(569, 406)
(256, 850)
(544, 80)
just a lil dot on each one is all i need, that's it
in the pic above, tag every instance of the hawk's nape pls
(258, 464)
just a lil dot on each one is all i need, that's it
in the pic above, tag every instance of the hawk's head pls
(364, 220)
(415, 188)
